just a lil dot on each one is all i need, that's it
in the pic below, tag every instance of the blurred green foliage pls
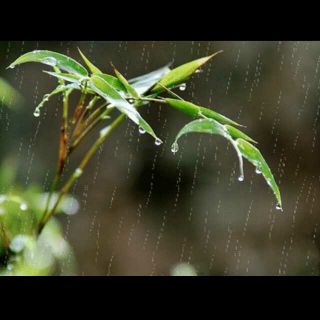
(9, 96)
(21, 253)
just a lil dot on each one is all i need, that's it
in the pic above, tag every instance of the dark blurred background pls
(143, 210)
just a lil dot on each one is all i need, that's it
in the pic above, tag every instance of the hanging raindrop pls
(78, 172)
(10, 267)
(23, 206)
(158, 142)
(141, 130)
(131, 101)
(175, 148)
(183, 87)
(11, 67)
(278, 207)
(104, 131)
(36, 113)
(241, 178)
(258, 171)
(50, 61)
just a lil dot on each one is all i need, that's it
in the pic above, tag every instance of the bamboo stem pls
(85, 133)
(78, 172)
(81, 124)
(62, 151)
(80, 104)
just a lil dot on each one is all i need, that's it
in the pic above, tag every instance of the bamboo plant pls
(107, 93)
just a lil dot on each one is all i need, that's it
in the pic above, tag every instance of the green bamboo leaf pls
(57, 70)
(113, 81)
(53, 59)
(235, 134)
(143, 83)
(182, 73)
(73, 79)
(196, 111)
(110, 94)
(213, 127)
(123, 80)
(151, 76)
(65, 76)
(93, 69)
(253, 155)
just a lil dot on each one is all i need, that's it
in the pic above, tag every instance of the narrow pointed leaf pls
(196, 111)
(113, 82)
(110, 94)
(213, 127)
(57, 70)
(93, 69)
(124, 81)
(235, 134)
(73, 79)
(151, 76)
(65, 76)
(253, 155)
(182, 73)
(144, 83)
(53, 59)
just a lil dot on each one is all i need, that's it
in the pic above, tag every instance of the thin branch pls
(85, 133)
(169, 91)
(77, 173)
(81, 124)
(80, 104)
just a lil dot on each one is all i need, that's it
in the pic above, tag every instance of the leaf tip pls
(113, 67)
(279, 207)
(82, 55)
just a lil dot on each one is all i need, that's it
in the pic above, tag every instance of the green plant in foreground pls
(21, 251)
(107, 93)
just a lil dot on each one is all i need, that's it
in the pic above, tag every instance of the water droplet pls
(46, 97)
(23, 206)
(10, 267)
(36, 113)
(141, 130)
(158, 142)
(104, 131)
(241, 178)
(278, 207)
(78, 173)
(50, 61)
(258, 171)
(183, 87)
(175, 148)
(11, 67)
(70, 206)
(82, 81)
(131, 101)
